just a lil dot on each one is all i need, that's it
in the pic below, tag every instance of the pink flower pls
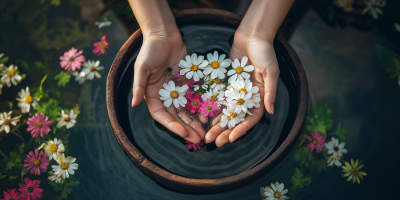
(36, 162)
(72, 60)
(11, 194)
(30, 190)
(183, 80)
(209, 108)
(317, 141)
(195, 147)
(189, 92)
(101, 46)
(194, 103)
(39, 125)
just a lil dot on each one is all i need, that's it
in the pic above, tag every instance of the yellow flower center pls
(67, 119)
(92, 68)
(7, 122)
(39, 125)
(53, 148)
(209, 107)
(28, 99)
(64, 165)
(214, 64)
(102, 46)
(71, 59)
(228, 118)
(184, 79)
(217, 81)
(36, 162)
(243, 90)
(233, 115)
(240, 101)
(277, 194)
(196, 103)
(194, 68)
(213, 97)
(354, 171)
(315, 142)
(11, 72)
(174, 94)
(239, 70)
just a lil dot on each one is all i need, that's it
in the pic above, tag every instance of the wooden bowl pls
(188, 185)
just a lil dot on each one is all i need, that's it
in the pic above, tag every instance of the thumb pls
(141, 74)
(271, 77)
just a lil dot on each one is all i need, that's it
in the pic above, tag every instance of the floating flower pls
(334, 161)
(240, 102)
(353, 171)
(183, 80)
(335, 148)
(172, 94)
(30, 190)
(53, 148)
(194, 103)
(55, 177)
(208, 108)
(195, 147)
(67, 120)
(245, 86)
(10, 75)
(65, 166)
(317, 141)
(192, 66)
(36, 162)
(218, 84)
(217, 65)
(231, 118)
(72, 60)
(39, 125)
(214, 95)
(6, 120)
(373, 7)
(91, 69)
(103, 23)
(26, 100)
(80, 79)
(101, 46)
(239, 71)
(275, 192)
(346, 5)
(200, 84)
(11, 195)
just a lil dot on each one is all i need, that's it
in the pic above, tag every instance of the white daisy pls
(55, 177)
(215, 95)
(231, 118)
(26, 100)
(217, 65)
(67, 120)
(335, 148)
(103, 23)
(80, 79)
(53, 148)
(239, 70)
(240, 102)
(192, 65)
(256, 100)
(334, 161)
(245, 86)
(65, 166)
(218, 84)
(172, 94)
(201, 84)
(90, 69)
(6, 120)
(275, 192)
(373, 7)
(9, 75)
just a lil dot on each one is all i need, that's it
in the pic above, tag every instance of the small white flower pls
(231, 118)
(192, 65)
(373, 7)
(80, 79)
(90, 69)
(256, 100)
(67, 120)
(103, 23)
(26, 100)
(65, 166)
(9, 75)
(215, 95)
(335, 148)
(55, 177)
(245, 86)
(240, 102)
(172, 94)
(217, 65)
(6, 120)
(218, 84)
(53, 148)
(334, 161)
(397, 27)
(239, 70)
(275, 192)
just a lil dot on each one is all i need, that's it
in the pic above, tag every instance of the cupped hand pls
(261, 54)
(156, 55)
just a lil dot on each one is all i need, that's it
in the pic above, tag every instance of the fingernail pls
(219, 146)
(133, 101)
(272, 109)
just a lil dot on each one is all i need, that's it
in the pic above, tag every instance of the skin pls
(162, 40)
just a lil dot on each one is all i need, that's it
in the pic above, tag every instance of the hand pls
(158, 52)
(261, 54)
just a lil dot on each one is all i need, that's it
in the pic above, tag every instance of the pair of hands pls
(160, 51)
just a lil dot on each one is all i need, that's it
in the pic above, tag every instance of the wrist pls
(250, 34)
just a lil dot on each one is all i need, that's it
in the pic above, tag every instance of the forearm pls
(154, 17)
(264, 17)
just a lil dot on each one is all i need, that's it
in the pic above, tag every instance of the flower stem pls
(19, 135)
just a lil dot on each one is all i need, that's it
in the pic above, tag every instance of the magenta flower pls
(30, 190)
(183, 80)
(194, 103)
(39, 125)
(317, 141)
(101, 46)
(72, 59)
(36, 162)
(209, 108)
(11, 195)
(195, 147)
(189, 92)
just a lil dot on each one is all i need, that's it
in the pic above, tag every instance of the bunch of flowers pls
(211, 86)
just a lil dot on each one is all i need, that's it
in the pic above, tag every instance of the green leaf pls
(321, 121)
(65, 186)
(299, 180)
(339, 133)
(23, 64)
(49, 108)
(63, 78)
(15, 160)
(4, 60)
(2, 176)
(40, 66)
(385, 56)
(12, 178)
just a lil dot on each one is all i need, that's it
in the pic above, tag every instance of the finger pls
(271, 77)
(213, 133)
(223, 138)
(203, 118)
(217, 119)
(192, 135)
(247, 124)
(187, 119)
(141, 74)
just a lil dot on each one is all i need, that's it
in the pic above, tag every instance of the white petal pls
(168, 102)
(230, 72)
(208, 70)
(188, 59)
(194, 58)
(210, 57)
(245, 75)
(214, 74)
(249, 68)
(221, 74)
(183, 100)
(183, 71)
(236, 61)
(221, 58)
(176, 103)
(215, 55)
(163, 92)
(184, 64)
(171, 85)
(244, 61)
(166, 86)
(189, 75)
(195, 77)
